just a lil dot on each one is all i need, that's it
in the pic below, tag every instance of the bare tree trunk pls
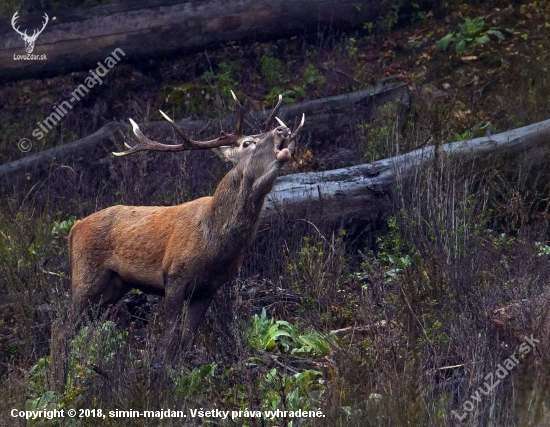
(79, 38)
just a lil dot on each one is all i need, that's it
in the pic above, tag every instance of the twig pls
(389, 79)
(357, 329)
(450, 367)
(275, 358)
(318, 231)
(99, 371)
(51, 273)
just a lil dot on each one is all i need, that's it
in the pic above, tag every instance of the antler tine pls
(145, 143)
(36, 33)
(13, 19)
(280, 122)
(267, 125)
(240, 116)
(187, 140)
(295, 132)
(191, 144)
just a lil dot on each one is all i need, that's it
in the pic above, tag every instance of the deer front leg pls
(201, 300)
(193, 316)
(173, 306)
(181, 326)
(180, 337)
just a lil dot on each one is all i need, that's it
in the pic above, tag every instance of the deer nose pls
(284, 132)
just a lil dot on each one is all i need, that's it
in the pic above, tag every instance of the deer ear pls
(227, 153)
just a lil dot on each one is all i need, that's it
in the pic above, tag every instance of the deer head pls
(253, 156)
(29, 40)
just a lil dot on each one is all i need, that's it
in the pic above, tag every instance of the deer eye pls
(246, 144)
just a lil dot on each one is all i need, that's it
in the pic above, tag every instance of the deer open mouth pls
(284, 144)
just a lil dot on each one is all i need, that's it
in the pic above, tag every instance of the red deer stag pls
(185, 252)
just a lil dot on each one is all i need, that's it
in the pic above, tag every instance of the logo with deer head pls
(29, 40)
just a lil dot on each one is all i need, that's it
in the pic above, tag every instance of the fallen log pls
(326, 118)
(76, 39)
(365, 191)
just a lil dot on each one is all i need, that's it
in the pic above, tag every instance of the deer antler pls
(146, 144)
(295, 132)
(240, 116)
(13, 19)
(36, 33)
(269, 121)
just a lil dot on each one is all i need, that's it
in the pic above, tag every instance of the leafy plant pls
(543, 248)
(388, 15)
(471, 33)
(197, 381)
(45, 402)
(223, 79)
(369, 26)
(462, 136)
(189, 98)
(279, 335)
(392, 245)
(311, 78)
(91, 348)
(414, 43)
(39, 397)
(272, 70)
(351, 47)
(63, 227)
(418, 14)
(38, 377)
(300, 391)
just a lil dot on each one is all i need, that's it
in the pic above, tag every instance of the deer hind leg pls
(106, 288)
